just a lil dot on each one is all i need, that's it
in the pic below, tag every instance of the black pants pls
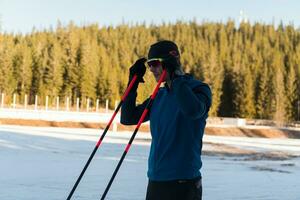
(175, 190)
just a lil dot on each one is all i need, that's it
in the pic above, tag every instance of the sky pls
(20, 16)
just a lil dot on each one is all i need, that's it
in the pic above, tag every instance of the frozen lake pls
(44, 163)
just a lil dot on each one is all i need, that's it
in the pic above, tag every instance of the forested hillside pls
(253, 70)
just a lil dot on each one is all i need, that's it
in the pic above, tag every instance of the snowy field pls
(43, 164)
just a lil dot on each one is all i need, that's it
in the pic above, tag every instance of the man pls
(177, 121)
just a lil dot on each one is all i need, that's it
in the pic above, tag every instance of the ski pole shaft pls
(145, 112)
(134, 79)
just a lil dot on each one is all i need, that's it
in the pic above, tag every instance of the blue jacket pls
(177, 121)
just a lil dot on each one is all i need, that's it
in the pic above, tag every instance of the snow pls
(54, 115)
(44, 163)
(291, 146)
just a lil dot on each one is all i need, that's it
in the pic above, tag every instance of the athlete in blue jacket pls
(177, 121)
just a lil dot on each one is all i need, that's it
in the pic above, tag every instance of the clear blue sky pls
(23, 15)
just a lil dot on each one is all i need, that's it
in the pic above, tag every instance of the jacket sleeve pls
(130, 112)
(193, 102)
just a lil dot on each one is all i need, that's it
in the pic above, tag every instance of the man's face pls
(155, 67)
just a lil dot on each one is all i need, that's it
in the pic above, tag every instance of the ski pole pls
(103, 135)
(162, 77)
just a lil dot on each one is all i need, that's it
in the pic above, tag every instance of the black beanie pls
(163, 49)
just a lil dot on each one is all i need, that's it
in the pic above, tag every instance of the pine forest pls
(252, 69)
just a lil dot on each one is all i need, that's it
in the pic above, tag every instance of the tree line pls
(252, 69)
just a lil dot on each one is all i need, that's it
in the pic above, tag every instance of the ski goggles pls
(154, 62)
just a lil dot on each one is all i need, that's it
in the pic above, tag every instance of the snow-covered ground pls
(44, 163)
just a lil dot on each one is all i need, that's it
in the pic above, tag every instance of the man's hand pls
(172, 65)
(139, 69)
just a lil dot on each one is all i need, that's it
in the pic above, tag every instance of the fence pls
(62, 110)
(57, 104)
